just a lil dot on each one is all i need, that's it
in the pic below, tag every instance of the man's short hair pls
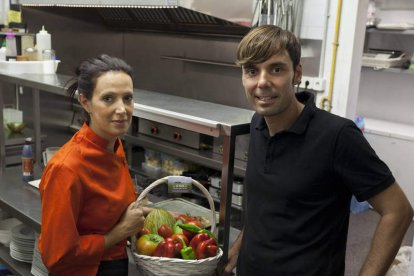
(260, 43)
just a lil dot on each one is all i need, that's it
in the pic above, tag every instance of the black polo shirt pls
(299, 184)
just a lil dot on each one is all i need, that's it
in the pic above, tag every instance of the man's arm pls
(233, 255)
(396, 216)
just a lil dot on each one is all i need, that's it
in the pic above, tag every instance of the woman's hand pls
(131, 221)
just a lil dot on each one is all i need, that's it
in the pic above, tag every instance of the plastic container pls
(360, 123)
(43, 42)
(29, 67)
(27, 160)
(11, 49)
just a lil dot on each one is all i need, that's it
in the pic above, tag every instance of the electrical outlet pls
(306, 82)
(312, 83)
(319, 84)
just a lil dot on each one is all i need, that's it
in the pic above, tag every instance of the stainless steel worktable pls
(198, 116)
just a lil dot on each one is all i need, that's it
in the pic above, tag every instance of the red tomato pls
(165, 231)
(178, 237)
(147, 243)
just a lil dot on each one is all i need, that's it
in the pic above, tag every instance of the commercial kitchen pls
(190, 114)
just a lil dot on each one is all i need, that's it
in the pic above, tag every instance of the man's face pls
(269, 86)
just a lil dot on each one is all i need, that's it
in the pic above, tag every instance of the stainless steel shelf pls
(53, 83)
(204, 158)
(393, 32)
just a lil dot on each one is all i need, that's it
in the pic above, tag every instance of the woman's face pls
(111, 106)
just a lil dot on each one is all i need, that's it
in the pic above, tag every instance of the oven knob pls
(177, 136)
(154, 130)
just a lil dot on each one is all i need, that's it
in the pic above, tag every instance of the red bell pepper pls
(197, 239)
(165, 249)
(206, 249)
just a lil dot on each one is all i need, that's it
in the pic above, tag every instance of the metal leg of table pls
(2, 137)
(226, 193)
(36, 125)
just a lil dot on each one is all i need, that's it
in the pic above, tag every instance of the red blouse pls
(84, 191)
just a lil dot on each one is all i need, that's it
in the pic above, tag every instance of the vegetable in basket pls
(158, 217)
(195, 229)
(165, 248)
(204, 246)
(147, 244)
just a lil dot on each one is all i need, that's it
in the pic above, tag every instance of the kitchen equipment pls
(242, 146)
(196, 16)
(380, 58)
(174, 134)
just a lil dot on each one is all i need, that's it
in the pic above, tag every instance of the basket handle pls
(195, 183)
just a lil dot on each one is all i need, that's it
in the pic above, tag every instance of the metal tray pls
(183, 206)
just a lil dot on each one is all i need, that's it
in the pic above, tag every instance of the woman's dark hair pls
(91, 69)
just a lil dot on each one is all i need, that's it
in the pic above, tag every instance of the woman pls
(86, 190)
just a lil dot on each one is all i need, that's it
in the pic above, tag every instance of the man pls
(304, 165)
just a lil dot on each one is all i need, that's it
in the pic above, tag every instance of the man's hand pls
(233, 255)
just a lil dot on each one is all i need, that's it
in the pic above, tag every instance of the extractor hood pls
(229, 17)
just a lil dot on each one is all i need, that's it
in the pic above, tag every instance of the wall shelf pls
(388, 31)
(389, 129)
(390, 70)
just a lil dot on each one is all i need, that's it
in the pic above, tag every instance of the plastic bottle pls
(27, 160)
(3, 51)
(43, 42)
(11, 49)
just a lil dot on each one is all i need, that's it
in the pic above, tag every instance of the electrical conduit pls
(326, 102)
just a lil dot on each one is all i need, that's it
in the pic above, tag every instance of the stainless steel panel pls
(204, 117)
(242, 146)
(170, 133)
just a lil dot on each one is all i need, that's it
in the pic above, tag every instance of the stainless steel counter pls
(199, 116)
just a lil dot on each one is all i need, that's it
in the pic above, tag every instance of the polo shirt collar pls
(308, 99)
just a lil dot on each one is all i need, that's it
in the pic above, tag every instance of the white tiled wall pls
(313, 19)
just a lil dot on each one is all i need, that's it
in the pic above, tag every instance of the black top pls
(299, 184)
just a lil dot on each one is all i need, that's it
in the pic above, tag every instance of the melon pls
(158, 217)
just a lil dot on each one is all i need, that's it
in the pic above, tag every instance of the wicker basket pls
(148, 265)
